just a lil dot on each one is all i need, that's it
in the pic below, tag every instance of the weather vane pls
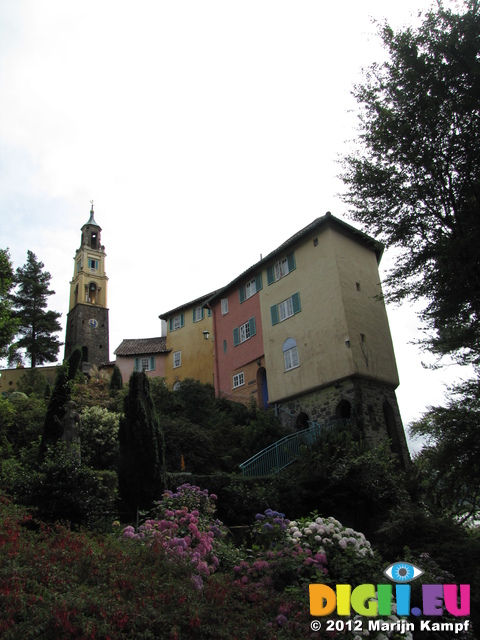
(91, 202)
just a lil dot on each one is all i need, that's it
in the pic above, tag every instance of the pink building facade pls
(142, 354)
(239, 351)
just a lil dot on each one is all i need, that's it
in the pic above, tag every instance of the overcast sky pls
(206, 132)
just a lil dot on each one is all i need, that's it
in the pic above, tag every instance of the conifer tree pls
(36, 324)
(61, 394)
(8, 322)
(141, 472)
(116, 381)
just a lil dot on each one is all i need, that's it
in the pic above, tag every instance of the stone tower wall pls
(372, 405)
(81, 333)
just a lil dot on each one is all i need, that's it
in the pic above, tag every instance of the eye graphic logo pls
(402, 572)
(376, 600)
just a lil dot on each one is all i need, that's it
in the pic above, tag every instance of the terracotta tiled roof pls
(141, 346)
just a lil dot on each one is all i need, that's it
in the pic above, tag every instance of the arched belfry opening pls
(92, 293)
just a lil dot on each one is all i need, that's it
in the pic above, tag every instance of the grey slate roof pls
(141, 346)
(194, 303)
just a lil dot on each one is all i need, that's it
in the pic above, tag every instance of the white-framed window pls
(198, 314)
(177, 322)
(92, 264)
(281, 268)
(251, 288)
(177, 359)
(177, 385)
(145, 363)
(285, 309)
(224, 306)
(244, 332)
(238, 380)
(290, 354)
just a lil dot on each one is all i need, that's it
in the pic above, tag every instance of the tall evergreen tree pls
(141, 471)
(8, 322)
(414, 180)
(36, 324)
(116, 381)
(61, 394)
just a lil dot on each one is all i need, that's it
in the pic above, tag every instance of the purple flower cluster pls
(269, 528)
(191, 496)
(183, 530)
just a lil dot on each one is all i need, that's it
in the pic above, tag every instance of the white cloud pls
(206, 133)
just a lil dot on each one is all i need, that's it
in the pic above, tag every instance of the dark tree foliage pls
(141, 469)
(8, 322)
(116, 381)
(414, 181)
(449, 464)
(61, 394)
(36, 324)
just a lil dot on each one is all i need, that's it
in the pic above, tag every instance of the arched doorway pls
(262, 388)
(343, 410)
(301, 422)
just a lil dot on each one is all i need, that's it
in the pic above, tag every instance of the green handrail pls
(282, 453)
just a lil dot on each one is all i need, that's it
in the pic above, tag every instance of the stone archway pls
(343, 410)
(301, 422)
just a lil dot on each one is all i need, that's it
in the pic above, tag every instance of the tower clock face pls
(93, 323)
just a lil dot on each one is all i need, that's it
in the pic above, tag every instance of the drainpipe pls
(216, 379)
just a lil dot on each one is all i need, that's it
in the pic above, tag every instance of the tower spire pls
(92, 219)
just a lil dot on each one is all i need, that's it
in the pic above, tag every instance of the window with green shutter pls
(274, 314)
(296, 303)
(250, 288)
(286, 309)
(281, 268)
(244, 332)
(198, 314)
(177, 322)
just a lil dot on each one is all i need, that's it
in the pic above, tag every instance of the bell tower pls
(87, 319)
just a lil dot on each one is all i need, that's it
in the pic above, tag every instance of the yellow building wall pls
(197, 354)
(332, 311)
(366, 315)
(9, 378)
(83, 277)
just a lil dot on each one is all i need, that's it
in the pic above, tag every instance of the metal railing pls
(282, 453)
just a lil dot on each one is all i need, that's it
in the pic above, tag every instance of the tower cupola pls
(91, 233)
